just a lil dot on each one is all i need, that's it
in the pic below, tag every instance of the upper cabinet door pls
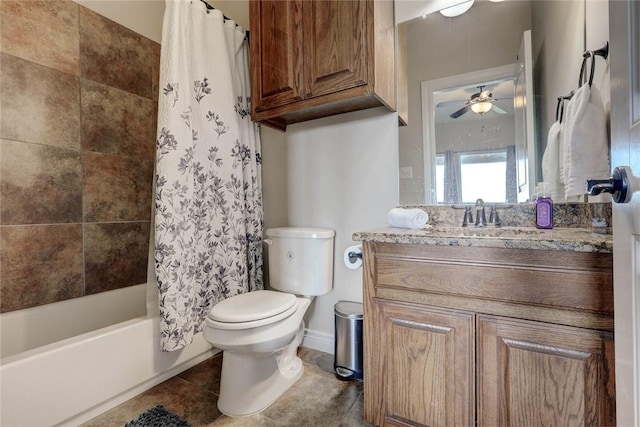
(276, 52)
(317, 58)
(336, 45)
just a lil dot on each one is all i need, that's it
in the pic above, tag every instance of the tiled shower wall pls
(77, 138)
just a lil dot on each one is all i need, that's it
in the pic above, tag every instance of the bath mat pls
(158, 417)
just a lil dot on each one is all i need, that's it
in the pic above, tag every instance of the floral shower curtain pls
(208, 216)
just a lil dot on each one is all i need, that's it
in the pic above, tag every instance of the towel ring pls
(603, 52)
(583, 68)
(560, 106)
(560, 109)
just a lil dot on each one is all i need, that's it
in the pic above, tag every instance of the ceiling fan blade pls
(460, 112)
(449, 103)
(498, 109)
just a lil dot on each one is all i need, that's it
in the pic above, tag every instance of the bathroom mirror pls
(487, 38)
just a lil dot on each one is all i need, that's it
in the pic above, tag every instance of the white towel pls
(407, 218)
(552, 160)
(586, 146)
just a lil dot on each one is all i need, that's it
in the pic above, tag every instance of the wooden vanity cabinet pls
(422, 366)
(535, 374)
(316, 58)
(455, 336)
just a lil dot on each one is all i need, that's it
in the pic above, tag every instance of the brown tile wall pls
(78, 97)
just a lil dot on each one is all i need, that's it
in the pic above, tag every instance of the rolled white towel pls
(407, 218)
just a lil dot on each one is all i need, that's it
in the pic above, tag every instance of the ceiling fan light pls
(481, 107)
(458, 9)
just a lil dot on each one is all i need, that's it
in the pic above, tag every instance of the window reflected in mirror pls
(464, 177)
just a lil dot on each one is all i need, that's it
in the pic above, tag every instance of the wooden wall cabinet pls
(499, 337)
(316, 58)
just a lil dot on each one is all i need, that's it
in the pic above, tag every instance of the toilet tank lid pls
(252, 306)
(301, 232)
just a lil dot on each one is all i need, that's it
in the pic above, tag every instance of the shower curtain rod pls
(226, 18)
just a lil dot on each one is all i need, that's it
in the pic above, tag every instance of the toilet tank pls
(300, 260)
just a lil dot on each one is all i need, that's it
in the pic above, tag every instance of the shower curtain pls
(452, 179)
(208, 213)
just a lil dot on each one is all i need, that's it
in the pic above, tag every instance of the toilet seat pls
(251, 310)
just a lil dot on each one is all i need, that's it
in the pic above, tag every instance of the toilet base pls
(250, 382)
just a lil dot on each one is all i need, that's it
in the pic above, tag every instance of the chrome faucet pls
(468, 216)
(494, 218)
(481, 219)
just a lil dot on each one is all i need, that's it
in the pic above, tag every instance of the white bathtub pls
(74, 379)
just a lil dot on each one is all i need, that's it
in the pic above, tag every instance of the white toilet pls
(260, 331)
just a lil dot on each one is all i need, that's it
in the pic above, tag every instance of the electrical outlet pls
(406, 172)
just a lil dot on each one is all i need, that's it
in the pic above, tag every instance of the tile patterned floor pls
(316, 399)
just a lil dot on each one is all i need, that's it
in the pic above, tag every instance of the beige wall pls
(238, 10)
(487, 36)
(145, 16)
(339, 172)
(141, 16)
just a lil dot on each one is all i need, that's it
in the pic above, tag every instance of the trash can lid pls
(348, 309)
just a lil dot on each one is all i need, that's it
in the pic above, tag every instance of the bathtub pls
(76, 377)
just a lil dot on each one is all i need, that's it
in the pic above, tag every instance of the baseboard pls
(317, 340)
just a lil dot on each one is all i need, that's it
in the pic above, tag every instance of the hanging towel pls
(552, 160)
(586, 147)
(407, 218)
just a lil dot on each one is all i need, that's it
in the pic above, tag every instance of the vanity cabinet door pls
(425, 366)
(532, 373)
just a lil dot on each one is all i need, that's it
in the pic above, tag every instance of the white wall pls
(478, 134)
(563, 31)
(597, 21)
(339, 172)
(558, 43)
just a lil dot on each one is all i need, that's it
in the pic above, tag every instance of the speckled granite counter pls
(559, 239)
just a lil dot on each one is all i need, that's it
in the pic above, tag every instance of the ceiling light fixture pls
(481, 107)
(458, 9)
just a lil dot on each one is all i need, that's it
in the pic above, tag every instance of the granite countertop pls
(559, 239)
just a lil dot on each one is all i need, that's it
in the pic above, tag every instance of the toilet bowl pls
(259, 332)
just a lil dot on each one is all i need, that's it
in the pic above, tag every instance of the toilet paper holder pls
(354, 256)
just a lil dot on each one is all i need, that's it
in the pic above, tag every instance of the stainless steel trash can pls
(348, 340)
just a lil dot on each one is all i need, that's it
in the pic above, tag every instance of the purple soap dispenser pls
(544, 208)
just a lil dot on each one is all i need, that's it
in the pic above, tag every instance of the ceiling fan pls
(480, 103)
